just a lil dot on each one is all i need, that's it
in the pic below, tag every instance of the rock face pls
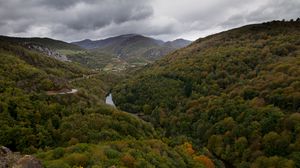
(10, 159)
(47, 51)
(7, 158)
(28, 161)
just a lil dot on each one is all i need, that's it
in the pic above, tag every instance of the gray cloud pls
(25, 18)
(278, 8)
(79, 19)
(59, 4)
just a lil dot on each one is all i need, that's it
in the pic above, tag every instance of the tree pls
(207, 162)
(274, 161)
(240, 145)
(274, 144)
(188, 88)
(128, 160)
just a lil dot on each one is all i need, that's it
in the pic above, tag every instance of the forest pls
(75, 130)
(236, 93)
(227, 100)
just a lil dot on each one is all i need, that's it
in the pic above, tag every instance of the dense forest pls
(236, 93)
(38, 117)
(228, 100)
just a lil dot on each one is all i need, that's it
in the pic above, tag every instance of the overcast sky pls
(73, 20)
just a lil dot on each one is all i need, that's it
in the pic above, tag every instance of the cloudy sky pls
(73, 20)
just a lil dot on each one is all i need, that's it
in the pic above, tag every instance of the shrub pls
(57, 164)
(111, 153)
(77, 159)
(128, 160)
(58, 153)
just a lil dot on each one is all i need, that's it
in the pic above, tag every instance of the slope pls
(64, 51)
(51, 43)
(31, 119)
(236, 93)
(65, 130)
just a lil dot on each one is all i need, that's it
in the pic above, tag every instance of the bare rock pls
(28, 161)
(7, 157)
(10, 159)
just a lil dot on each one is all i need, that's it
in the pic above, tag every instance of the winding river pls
(109, 100)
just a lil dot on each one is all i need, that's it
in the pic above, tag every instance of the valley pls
(55, 110)
(130, 50)
(233, 93)
(231, 99)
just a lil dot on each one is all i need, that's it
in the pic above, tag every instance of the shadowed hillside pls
(236, 93)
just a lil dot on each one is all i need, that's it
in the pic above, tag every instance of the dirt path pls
(72, 91)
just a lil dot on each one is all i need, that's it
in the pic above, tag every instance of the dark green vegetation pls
(67, 130)
(39, 120)
(236, 93)
(129, 153)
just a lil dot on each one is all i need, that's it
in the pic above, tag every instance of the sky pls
(74, 20)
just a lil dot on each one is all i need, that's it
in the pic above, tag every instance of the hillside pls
(50, 47)
(117, 41)
(75, 129)
(133, 48)
(51, 43)
(68, 52)
(236, 93)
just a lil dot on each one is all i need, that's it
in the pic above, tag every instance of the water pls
(109, 100)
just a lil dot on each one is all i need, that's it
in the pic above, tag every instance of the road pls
(64, 92)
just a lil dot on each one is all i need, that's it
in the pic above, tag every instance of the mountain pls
(67, 52)
(178, 43)
(50, 47)
(133, 48)
(50, 43)
(235, 93)
(117, 41)
(55, 111)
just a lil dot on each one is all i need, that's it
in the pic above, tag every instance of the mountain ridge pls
(45, 41)
(133, 48)
(98, 43)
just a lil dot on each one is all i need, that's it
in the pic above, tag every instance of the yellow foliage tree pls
(207, 162)
(128, 160)
(189, 148)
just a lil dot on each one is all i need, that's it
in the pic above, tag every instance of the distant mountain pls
(47, 42)
(133, 47)
(116, 41)
(49, 47)
(178, 43)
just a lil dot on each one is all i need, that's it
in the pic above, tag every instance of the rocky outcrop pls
(9, 159)
(28, 161)
(47, 51)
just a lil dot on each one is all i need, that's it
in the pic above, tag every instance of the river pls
(109, 100)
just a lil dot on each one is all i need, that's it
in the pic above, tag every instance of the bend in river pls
(109, 100)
